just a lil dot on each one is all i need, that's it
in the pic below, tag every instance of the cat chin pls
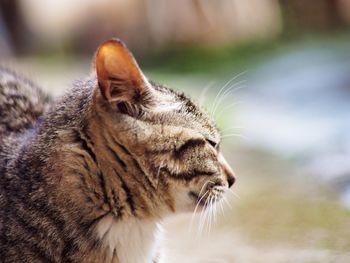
(189, 202)
(199, 202)
(184, 202)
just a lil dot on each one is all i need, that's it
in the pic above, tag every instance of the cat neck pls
(129, 241)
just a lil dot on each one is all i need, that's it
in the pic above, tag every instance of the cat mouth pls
(200, 200)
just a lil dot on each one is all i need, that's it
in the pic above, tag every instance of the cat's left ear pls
(119, 77)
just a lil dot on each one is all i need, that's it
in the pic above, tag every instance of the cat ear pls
(119, 77)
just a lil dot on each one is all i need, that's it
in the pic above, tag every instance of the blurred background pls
(274, 73)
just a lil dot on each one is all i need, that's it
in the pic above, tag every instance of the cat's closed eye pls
(212, 143)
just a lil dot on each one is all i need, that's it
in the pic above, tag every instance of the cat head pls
(166, 143)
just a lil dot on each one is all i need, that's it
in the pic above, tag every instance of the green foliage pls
(210, 59)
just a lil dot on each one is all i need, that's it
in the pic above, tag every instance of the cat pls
(88, 177)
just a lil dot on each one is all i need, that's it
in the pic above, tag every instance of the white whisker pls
(235, 87)
(232, 128)
(234, 135)
(226, 93)
(221, 207)
(225, 200)
(234, 193)
(221, 90)
(202, 95)
(214, 210)
(195, 209)
(204, 185)
(210, 207)
(157, 177)
(226, 108)
(203, 217)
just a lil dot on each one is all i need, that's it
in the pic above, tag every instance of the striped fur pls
(81, 181)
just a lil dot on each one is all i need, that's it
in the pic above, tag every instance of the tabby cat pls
(88, 177)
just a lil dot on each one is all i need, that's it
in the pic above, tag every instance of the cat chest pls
(128, 241)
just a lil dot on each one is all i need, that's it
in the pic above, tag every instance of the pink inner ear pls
(118, 74)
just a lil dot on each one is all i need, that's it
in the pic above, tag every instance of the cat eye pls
(212, 143)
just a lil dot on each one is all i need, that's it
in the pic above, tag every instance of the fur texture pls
(87, 177)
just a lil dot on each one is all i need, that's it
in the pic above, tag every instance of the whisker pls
(225, 200)
(209, 221)
(234, 135)
(207, 216)
(233, 127)
(222, 88)
(208, 205)
(234, 194)
(202, 95)
(199, 230)
(214, 209)
(203, 218)
(222, 208)
(195, 209)
(217, 116)
(157, 176)
(226, 84)
(233, 88)
(201, 215)
(204, 185)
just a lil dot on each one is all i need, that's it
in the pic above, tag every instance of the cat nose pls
(229, 174)
(231, 180)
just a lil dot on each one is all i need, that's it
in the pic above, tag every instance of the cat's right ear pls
(119, 77)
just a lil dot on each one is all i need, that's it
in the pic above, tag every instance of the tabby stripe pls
(86, 146)
(117, 158)
(126, 151)
(100, 175)
(127, 191)
(103, 186)
(85, 132)
(38, 227)
(83, 176)
(186, 176)
(83, 179)
(117, 203)
(87, 226)
(84, 234)
(188, 144)
(85, 164)
(183, 148)
(34, 245)
(23, 253)
(142, 178)
(69, 248)
(136, 165)
(143, 175)
(41, 209)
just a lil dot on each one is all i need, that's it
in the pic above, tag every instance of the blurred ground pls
(280, 217)
(287, 210)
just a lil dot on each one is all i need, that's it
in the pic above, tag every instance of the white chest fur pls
(133, 240)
